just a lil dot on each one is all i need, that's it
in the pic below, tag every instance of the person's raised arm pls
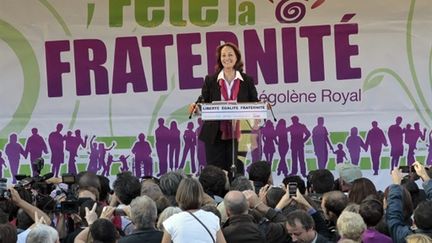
(91, 217)
(28, 208)
(421, 171)
(427, 183)
(256, 204)
(394, 213)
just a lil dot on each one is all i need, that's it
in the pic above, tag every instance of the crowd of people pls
(217, 208)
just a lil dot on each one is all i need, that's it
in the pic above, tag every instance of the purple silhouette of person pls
(256, 144)
(283, 146)
(162, 136)
(13, 151)
(411, 138)
(56, 144)
(269, 139)
(429, 157)
(123, 159)
(93, 164)
(35, 146)
(320, 140)
(101, 158)
(354, 144)
(375, 139)
(395, 135)
(72, 145)
(174, 146)
(299, 136)
(142, 152)
(340, 154)
(189, 138)
(200, 147)
(2, 163)
(110, 160)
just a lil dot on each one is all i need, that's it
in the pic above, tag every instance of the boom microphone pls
(199, 100)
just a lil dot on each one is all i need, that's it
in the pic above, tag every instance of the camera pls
(407, 169)
(4, 192)
(71, 204)
(292, 188)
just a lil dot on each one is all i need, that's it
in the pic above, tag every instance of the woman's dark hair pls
(371, 211)
(213, 181)
(406, 203)
(105, 188)
(103, 230)
(361, 188)
(237, 66)
(8, 233)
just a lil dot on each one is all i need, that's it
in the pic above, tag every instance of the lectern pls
(233, 111)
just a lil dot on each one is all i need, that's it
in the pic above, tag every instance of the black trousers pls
(220, 154)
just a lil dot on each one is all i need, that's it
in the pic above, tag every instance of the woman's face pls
(228, 57)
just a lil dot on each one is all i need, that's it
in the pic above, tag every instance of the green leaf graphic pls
(29, 64)
(180, 115)
(373, 82)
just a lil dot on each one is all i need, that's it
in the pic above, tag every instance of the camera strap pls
(208, 231)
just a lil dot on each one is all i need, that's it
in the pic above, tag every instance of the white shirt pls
(184, 228)
(229, 85)
(22, 237)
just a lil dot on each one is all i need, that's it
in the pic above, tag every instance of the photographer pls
(126, 188)
(72, 202)
(29, 209)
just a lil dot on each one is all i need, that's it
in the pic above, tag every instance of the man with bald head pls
(240, 226)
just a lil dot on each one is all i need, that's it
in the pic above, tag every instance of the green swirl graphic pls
(375, 77)
(65, 28)
(57, 16)
(27, 58)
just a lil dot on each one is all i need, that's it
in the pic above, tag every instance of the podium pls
(233, 111)
(217, 111)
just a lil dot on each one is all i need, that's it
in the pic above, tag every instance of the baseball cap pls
(349, 172)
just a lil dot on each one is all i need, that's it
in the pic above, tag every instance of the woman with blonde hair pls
(418, 238)
(192, 224)
(351, 226)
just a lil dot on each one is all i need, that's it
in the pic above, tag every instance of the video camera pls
(37, 183)
(71, 204)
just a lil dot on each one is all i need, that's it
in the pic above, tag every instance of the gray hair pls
(42, 233)
(168, 212)
(351, 226)
(241, 183)
(143, 212)
(170, 181)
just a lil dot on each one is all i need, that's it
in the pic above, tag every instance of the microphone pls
(271, 110)
(199, 100)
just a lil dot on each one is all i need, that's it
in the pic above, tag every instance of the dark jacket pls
(242, 228)
(394, 214)
(144, 235)
(211, 92)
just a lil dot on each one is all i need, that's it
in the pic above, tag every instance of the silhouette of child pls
(340, 154)
(124, 162)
